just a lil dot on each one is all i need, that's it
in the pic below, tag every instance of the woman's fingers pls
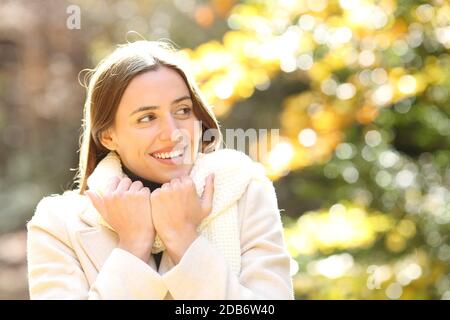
(175, 183)
(165, 186)
(145, 190)
(112, 184)
(124, 185)
(136, 186)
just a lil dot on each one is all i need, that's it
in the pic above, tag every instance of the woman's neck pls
(134, 177)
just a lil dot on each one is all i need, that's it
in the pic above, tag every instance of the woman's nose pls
(169, 128)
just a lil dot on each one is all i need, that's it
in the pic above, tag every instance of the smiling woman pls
(141, 95)
(159, 212)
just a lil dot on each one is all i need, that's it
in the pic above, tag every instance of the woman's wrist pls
(140, 247)
(177, 247)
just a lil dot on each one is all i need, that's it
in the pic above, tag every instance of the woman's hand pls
(177, 212)
(125, 206)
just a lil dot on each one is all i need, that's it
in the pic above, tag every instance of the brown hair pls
(107, 83)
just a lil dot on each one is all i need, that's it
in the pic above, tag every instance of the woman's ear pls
(108, 139)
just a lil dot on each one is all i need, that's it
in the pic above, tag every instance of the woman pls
(161, 212)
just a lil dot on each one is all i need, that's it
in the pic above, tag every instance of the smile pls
(168, 155)
(174, 157)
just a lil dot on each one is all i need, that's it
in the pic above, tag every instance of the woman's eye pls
(147, 118)
(184, 111)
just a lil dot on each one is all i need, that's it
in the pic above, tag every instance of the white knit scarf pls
(232, 170)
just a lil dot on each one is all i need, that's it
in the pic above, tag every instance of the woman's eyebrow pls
(146, 108)
(181, 99)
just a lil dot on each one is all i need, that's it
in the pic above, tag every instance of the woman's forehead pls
(160, 88)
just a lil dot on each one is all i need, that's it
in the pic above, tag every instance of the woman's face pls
(155, 111)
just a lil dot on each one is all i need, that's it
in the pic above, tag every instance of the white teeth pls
(166, 155)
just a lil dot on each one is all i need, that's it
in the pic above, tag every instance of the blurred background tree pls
(359, 90)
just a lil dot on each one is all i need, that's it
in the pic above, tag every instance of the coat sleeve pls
(203, 273)
(54, 271)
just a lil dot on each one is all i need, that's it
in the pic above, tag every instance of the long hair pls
(106, 85)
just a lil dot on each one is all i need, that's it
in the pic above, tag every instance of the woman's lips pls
(170, 161)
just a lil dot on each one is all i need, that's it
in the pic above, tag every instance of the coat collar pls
(97, 243)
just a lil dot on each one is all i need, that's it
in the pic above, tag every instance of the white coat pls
(72, 256)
